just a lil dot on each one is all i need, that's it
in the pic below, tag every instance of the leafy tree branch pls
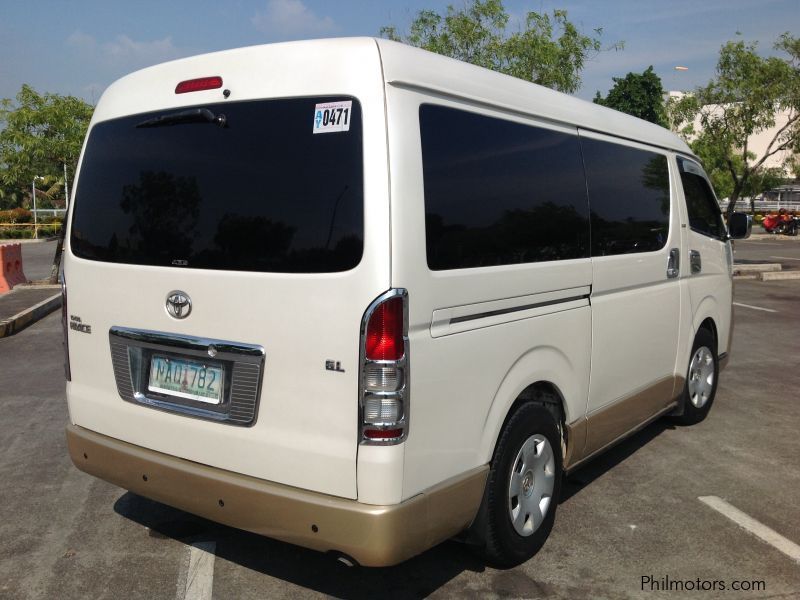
(548, 49)
(743, 100)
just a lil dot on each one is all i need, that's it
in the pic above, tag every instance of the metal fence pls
(761, 206)
(53, 212)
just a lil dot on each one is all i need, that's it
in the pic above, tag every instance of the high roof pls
(406, 66)
(294, 68)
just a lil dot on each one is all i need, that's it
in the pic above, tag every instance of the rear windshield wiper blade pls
(193, 115)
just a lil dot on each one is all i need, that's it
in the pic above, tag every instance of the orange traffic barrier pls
(11, 272)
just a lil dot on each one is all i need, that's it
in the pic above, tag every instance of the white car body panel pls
(307, 422)
(618, 325)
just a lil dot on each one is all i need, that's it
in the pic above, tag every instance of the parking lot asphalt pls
(37, 259)
(632, 513)
(781, 249)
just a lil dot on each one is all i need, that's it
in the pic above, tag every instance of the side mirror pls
(739, 226)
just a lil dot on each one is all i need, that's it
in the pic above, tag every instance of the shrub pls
(21, 215)
(14, 233)
(49, 229)
(16, 215)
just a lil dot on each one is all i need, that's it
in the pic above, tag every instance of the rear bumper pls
(372, 535)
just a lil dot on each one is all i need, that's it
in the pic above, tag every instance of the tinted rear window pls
(261, 193)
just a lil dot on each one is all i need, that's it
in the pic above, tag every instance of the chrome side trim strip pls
(446, 321)
(505, 311)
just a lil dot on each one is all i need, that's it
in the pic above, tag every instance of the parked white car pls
(363, 298)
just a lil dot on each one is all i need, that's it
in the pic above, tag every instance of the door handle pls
(694, 262)
(674, 263)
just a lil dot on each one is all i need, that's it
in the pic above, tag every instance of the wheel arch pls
(707, 324)
(707, 315)
(710, 325)
(543, 375)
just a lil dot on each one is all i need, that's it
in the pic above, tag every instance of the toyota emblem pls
(179, 305)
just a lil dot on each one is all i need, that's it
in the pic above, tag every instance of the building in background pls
(758, 143)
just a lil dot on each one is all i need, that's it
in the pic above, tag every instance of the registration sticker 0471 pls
(330, 117)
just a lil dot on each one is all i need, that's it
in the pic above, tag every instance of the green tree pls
(548, 50)
(715, 160)
(640, 95)
(39, 134)
(744, 98)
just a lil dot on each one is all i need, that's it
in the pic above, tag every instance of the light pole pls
(66, 188)
(35, 220)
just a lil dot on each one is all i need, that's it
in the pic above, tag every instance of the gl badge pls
(179, 305)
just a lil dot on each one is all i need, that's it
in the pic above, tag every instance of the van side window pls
(628, 197)
(704, 213)
(499, 192)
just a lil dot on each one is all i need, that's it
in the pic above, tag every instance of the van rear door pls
(223, 255)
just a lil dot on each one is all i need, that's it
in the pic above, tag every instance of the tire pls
(527, 461)
(702, 377)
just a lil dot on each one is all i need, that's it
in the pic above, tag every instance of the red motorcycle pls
(780, 223)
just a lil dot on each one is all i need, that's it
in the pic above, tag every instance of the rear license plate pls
(186, 379)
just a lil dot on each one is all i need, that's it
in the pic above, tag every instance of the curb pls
(778, 276)
(757, 237)
(29, 316)
(742, 268)
(41, 240)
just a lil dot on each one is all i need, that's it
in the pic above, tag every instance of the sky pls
(79, 47)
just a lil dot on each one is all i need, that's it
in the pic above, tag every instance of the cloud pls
(105, 60)
(125, 48)
(78, 39)
(124, 51)
(641, 13)
(285, 19)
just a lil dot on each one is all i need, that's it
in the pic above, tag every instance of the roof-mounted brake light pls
(199, 84)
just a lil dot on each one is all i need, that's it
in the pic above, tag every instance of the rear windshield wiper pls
(193, 115)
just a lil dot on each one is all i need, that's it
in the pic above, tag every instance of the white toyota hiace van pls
(362, 298)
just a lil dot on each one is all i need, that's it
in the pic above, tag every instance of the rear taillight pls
(384, 370)
(385, 331)
(65, 328)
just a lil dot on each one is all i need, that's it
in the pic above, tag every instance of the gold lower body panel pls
(372, 535)
(613, 423)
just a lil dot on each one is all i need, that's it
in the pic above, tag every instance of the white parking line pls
(200, 576)
(784, 258)
(754, 307)
(745, 521)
